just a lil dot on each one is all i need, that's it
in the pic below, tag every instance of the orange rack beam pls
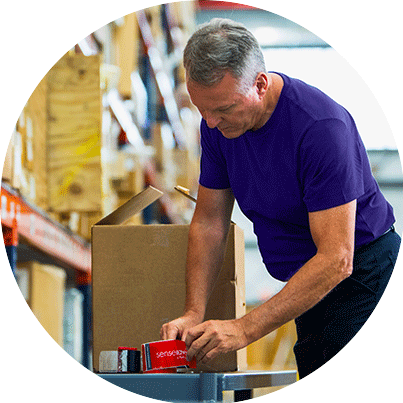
(40, 231)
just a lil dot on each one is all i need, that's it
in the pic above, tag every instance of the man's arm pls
(206, 247)
(333, 233)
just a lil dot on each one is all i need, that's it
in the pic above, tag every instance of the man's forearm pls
(304, 290)
(205, 257)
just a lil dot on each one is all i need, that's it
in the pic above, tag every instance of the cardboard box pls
(45, 295)
(127, 175)
(138, 274)
(127, 42)
(7, 173)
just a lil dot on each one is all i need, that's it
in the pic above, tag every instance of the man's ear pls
(262, 84)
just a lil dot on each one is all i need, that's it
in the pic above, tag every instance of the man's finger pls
(197, 346)
(204, 354)
(184, 334)
(199, 340)
(172, 333)
(193, 334)
(162, 332)
(168, 332)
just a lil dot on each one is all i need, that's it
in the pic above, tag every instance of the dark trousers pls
(327, 327)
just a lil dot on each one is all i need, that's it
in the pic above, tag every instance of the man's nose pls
(212, 120)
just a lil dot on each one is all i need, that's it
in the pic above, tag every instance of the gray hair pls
(222, 46)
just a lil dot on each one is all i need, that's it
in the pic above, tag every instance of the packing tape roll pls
(129, 360)
(164, 355)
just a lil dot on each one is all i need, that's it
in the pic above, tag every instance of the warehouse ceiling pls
(270, 29)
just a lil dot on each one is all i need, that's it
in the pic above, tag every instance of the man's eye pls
(226, 109)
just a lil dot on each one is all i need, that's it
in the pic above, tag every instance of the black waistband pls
(392, 228)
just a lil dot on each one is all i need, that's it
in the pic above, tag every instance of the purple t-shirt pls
(308, 157)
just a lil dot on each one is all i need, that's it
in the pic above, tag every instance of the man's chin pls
(230, 133)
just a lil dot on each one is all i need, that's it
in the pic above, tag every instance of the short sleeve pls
(213, 168)
(331, 165)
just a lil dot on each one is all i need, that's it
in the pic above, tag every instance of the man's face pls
(223, 106)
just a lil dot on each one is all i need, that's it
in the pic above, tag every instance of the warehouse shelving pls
(33, 234)
(125, 121)
(115, 102)
(24, 224)
(164, 84)
(23, 221)
(162, 80)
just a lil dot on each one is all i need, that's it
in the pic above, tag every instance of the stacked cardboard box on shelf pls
(58, 138)
(176, 166)
(54, 157)
(163, 143)
(127, 38)
(43, 287)
(182, 16)
(8, 166)
(127, 179)
(26, 160)
(187, 160)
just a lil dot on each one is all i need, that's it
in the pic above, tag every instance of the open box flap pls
(186, 193)
(131, 207)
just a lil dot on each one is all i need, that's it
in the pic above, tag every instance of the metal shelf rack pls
(23, 222)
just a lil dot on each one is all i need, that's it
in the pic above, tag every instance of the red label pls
(165, 354)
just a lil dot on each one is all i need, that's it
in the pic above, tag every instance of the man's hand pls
(177, 329)
(214, 337)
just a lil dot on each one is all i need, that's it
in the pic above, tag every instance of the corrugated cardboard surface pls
(46, 296)
(139, 284)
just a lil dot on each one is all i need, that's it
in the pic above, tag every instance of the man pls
(294, 161)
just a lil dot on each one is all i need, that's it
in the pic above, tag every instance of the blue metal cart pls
(200, 387)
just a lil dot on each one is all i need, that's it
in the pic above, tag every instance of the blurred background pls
(113, 116)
